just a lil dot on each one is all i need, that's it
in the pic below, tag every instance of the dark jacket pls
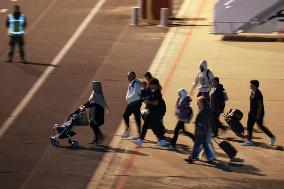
(96, 113)
(183, 111)
(203, 125)
(256, 98)
(217, 99)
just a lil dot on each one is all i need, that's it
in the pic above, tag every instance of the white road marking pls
(3, 10)
(27, 98)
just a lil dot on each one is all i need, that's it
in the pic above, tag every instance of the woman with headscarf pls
(184, 115)
(98, 109)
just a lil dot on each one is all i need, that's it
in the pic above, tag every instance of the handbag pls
(83, 119)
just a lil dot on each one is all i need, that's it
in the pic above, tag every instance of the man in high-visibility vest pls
(16, 24)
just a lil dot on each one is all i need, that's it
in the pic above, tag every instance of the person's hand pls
(82, 107)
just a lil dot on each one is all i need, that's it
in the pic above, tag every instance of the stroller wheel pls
(54, 142)
(74, 144)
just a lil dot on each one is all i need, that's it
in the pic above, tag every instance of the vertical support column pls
(135, 16)
(149, 11)
(164, 22)
(140, 5)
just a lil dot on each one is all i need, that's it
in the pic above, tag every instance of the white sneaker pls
(127, 136)
(247, 143)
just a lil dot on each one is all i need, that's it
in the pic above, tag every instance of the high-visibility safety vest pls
(16, 26)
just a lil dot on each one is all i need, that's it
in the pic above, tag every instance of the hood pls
(203, 63)
(220, 87)
(97, 87)
(182, 93)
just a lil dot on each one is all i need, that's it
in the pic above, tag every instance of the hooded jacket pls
(203, 78)
(183, 110)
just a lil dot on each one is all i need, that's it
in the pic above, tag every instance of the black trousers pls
(250, 124)
(133, 108)
(156, 126)
(97, 132)
(16, 40)
(218, 123)
(180, 126)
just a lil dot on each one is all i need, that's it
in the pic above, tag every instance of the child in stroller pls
(233, 119)
(64, 130)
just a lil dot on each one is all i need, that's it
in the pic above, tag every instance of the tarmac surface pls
(106, 51)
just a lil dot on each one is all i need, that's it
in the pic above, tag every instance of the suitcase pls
(227, 148)
(235, 125)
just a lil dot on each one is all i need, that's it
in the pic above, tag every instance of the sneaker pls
(138, 142)
(163, 143)
(247, 143)
(126, 136)
(171, 147)
(190, 160)
(272, 140)
(9, 60)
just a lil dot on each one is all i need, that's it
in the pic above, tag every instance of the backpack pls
(207, 75)
(226, 98)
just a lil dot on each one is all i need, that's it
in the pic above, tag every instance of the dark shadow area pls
(258, 144)
(188, 19)
(36, 64)
(230, 167)
(187, 25)
(103, 148)
(267, 146)
(238, 38)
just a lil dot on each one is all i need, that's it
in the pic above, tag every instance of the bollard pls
(140, 5)
(135, 16)
(164, 22)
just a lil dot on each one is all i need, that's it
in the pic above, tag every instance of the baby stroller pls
(233, 119)
(64, 130)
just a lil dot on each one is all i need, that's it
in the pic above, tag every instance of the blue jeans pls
(197, 147)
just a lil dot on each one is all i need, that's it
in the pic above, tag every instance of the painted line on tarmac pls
(28, 97)
(3, 10)
(41, 16)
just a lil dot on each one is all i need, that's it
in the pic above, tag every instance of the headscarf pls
(182, 94)
(203, 63)
(97, 95)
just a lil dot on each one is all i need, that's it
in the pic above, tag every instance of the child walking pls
(184, 115)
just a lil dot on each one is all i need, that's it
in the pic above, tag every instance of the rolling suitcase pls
(227, 148)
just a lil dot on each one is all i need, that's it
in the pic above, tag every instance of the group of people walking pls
(211, 101)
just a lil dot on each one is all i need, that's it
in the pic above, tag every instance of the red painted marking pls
(181, 52)
(122, 179)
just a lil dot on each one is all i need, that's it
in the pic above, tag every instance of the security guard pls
(16, 24)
